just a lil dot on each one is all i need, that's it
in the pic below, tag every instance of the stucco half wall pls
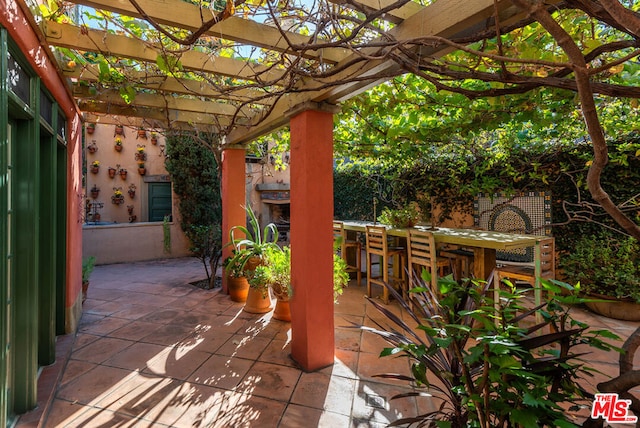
(119, 243)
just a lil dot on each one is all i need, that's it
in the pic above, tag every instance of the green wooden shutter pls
(159, 201)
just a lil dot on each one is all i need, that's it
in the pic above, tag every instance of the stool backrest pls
(422, 248)
(339, 235)
(547, 258)
(377, 240)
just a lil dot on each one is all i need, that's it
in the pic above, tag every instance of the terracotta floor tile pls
(178, 363)
(160, 316)
(100, 350)
(103, 326)
(371, 364)
(373, 402)
(75, 368)
(301, 416)
(82, 340)
(168, 335)
(270, 381)
(94, 385)
(64, 413)
(244, 346)
(106, 308)
(146, 299)
(134, 330)
(278, 352)
(245, 411)
(373, 343)
(348, 338)
(323, 391)
(135, 357)
(345, 365)
(221, 371)
(208, 339)
(133, 312)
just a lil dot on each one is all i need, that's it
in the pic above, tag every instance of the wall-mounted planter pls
(112, 172)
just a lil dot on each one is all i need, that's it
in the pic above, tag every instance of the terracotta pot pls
(132, 193)
(95, 194)
(95, 169)
(119, 129)
(154, 141)
(118, 147)
(256, 302)
(92, 148)
(238, 288)
(112, 172)
(142, 134)
(252, 263)
(282, 311)
(611, 307)
(123, 175)
(142, 171)
(91, 129)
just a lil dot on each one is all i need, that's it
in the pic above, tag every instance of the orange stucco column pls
(233, 197)
(312, 335)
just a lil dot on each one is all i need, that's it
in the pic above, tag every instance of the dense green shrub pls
(194, 174)
(605, 264)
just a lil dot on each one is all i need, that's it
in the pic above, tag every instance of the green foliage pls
(194, 174)
(406, 216)
(486, 366)
(88, 264)
(605, 264)
(255, 243)
(166, 234)
(340, 276)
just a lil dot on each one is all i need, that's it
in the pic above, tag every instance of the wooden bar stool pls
(344, 245)
(544, 267)
(460, 259)
(422, 252)
(378, 246)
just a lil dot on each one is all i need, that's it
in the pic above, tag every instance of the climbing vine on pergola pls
(236, 69)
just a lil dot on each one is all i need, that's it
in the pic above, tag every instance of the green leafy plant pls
(605, 264)
(406, 216)
(88, 264)
(489, 367)
(255, 241)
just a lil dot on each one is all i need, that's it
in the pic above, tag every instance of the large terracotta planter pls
(282, 311)
(610, 307)
(238, 288)
(257, 303)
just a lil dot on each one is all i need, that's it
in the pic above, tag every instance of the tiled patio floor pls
(154, 351)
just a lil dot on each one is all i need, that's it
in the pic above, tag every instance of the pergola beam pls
(169, 84)
(181, 14)
(85, 39)
(113, 97)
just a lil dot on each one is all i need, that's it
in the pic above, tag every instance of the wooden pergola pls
(250, 71)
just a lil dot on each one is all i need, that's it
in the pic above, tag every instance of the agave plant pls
(255, 242)
(487, 365)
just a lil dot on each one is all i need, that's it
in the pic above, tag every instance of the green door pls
(8, 281)
(159, 201)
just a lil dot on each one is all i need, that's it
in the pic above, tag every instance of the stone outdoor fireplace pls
(276, 206)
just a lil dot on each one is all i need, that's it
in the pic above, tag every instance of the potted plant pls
(142, 133)
(237, 282)
(123, 173)
(406, 216)
(95, 167)
(140, 154)
(118, 197)
(154, 138)
(255, 241)
(274, 273)
(95, 192)
(91, 128)
(118, 144)
(132, 190)
(87, 268)
(607, 268)
(141, 169)
(119, 130)
(92, 148)
(112, 172)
